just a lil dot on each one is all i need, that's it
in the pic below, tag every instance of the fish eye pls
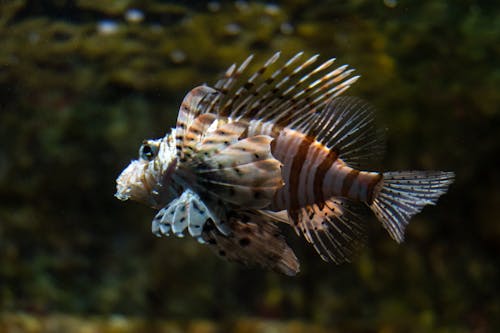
(147, 152)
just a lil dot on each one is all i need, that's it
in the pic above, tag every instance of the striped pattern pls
(314, 137)
(313, 173)
(238, 171)
(401, 195)
(282, 96)
(193, 136)
(186, 211)
(335, 230)
(198, 101)
(315, 181)
(276, 143)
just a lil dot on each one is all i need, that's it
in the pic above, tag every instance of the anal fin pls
(335, 228)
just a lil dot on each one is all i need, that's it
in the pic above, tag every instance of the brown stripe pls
(197, 91)
(206, 118)
(295, 170)
(192, 101)
(321, 171)
(371, 186)
(194, 131)
(200, 124)
(185, 105)
(244, 134)
(276, 130)
(348, 180)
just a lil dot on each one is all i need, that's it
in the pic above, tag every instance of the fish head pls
(147, 179)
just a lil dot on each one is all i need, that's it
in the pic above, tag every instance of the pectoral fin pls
(188, 212)
(255, 240)
(242, 172)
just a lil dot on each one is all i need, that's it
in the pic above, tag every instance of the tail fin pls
(400, 195)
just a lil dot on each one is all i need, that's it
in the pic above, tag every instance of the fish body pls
(265, 147)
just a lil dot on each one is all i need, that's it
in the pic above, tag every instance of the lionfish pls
(273, 146)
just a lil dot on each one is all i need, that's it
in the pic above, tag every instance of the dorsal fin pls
(347, 125)
(290, 91)
(226, 83)
(198, 101)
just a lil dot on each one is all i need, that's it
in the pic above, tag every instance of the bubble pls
(178, 56)
(134, 15)
(156, 28)
(233, 29)
(241, 5)
(272, 9)
(34, 37)
(213, 6)
(107, 27)
(391, 3)
(286, 28)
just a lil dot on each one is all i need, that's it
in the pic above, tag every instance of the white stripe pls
(333, 180)
(287, 144)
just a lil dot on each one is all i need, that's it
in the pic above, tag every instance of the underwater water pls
(83, 82)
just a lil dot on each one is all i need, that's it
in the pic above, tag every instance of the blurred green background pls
(83, 82)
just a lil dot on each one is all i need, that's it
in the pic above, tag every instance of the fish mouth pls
(121, 196)
(137, 183)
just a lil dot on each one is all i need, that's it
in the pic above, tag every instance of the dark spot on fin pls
(245, 241)
(255, 242)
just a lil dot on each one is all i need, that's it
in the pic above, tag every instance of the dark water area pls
(83, 82)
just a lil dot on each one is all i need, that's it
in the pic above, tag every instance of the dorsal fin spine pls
(303, 103)
(231, 80)
(287, 97)
(250, 84)
(223, 84)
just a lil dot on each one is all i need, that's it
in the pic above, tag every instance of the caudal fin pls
(403, 194)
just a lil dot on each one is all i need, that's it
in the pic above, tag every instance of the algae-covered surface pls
(83, 82)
